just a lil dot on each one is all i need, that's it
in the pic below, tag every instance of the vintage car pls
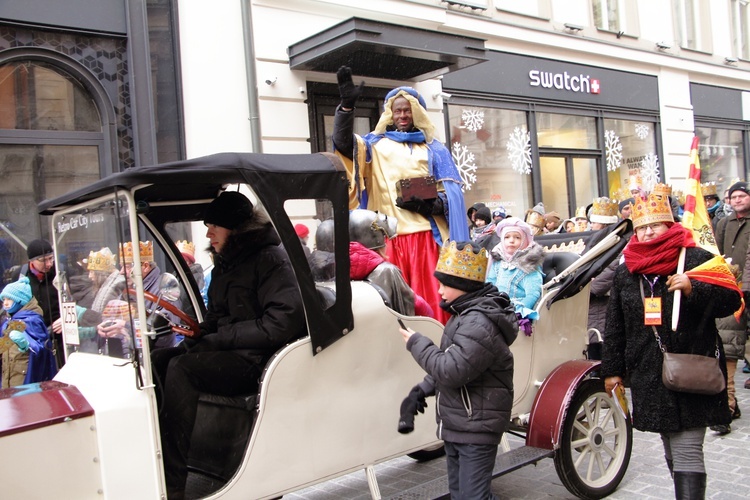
(328, 403)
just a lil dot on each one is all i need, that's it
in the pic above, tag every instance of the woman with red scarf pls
(640, 305)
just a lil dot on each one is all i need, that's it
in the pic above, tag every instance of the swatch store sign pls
(564, 81)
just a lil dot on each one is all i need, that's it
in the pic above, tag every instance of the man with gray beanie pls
(732, 234)
(254, 309)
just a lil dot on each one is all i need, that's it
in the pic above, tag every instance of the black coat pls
(471, 373)
(254, 304)
(630, 347)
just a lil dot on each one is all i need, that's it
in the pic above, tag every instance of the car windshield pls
(94, 255)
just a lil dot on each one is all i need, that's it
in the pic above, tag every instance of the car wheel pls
(428, 454)
(597, 440)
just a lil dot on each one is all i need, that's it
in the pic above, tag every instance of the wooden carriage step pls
(505, 463)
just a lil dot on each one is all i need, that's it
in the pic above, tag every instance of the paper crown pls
(604, 211)
(103, 260)
(635, 182)
(536, 220)
(653, 208)
(145, 250)
(709, 189)
(580, 213)
(185, 246)
(463, 263)
(680, 197)
(621, 194)
(662, 189)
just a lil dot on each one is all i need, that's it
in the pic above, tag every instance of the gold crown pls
(680, 197)
(604, 211)
(635, 182)
(662, 190)
(145, 250)
(581, 213)
(708, 189)
(185, 246)
(620, 194)
(536, 221)
(103, 260)
(463, 263)
(654, 208)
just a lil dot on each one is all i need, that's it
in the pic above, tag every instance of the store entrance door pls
(568, 181)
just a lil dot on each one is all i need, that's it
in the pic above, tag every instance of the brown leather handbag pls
(691, 373)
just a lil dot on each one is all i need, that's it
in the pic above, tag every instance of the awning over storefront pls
(382, 50)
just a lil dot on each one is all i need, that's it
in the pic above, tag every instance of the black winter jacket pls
(630, 347)
(254, 304)
(471, 374)
(46, 294)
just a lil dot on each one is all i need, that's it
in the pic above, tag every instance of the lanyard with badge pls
(651, 305)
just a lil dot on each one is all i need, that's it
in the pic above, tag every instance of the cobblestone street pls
(727, 461)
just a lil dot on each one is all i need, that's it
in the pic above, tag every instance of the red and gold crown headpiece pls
(185, 246)
(463, 263)
(653, 208)
(145, 250)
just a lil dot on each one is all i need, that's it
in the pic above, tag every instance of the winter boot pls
(689, 486)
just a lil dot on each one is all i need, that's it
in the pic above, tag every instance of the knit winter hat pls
(498, 213)
(738, 186)
(483, 214)
(301, 230)
(229, 210)
(38, 248)
(18, 291)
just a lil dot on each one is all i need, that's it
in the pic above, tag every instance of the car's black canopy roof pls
(274, 179)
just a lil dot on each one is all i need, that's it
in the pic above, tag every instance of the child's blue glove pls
(20, 339)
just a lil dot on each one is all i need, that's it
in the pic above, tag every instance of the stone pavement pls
(727, 462)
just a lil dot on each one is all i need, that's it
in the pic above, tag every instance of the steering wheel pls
(189, 328)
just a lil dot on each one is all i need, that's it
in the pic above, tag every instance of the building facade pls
(552, 101)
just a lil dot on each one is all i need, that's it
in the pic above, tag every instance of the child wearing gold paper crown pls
(24, 358)
(471, 373)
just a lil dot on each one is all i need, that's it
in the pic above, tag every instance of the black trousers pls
(184, 376)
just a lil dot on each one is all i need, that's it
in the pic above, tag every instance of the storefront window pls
(630, 151)
(50, 143)
(492, 149)
(721, 155)
(566, 131)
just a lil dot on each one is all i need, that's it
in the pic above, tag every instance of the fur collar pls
(528, 259)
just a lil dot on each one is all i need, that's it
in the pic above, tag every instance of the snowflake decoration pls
(613, 150)
(519, 150)
(650, 171)
(473, 119)
(642, 130)
(464, 160)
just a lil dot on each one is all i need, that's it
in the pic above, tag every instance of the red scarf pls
(660, 255)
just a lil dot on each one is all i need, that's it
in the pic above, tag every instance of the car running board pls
(505, 463)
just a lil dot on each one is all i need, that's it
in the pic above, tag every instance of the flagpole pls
(678, 293)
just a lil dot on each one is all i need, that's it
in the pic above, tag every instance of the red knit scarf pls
(658, 256)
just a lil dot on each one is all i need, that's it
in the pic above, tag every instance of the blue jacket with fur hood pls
(471, 373)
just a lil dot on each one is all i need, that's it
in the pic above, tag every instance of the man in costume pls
(402, 146)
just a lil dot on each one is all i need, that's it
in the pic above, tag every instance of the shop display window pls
(492, 149)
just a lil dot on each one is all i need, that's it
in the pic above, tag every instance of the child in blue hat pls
(25, 359)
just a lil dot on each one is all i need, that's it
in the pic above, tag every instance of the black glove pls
(348, 91)
(425, 208)
(413, 403)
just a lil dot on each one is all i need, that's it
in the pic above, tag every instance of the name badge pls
(652, 311)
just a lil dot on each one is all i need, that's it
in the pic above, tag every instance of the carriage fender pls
(551, 402)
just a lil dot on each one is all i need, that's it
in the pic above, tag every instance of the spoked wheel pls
(596, 443)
